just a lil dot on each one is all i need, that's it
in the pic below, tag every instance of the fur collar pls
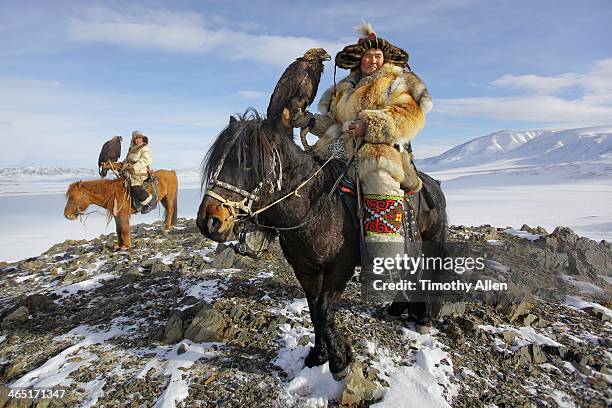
(355, 79)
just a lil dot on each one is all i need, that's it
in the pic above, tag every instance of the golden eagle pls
(297, 88)
(111, 151)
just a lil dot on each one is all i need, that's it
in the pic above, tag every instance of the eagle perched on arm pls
(111, 151)
(296, 89)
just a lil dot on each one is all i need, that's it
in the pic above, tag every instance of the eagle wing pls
(296, 81)
(111, 151)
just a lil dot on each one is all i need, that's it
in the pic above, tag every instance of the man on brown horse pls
(136, 167)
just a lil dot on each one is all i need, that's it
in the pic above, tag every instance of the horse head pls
(77, 201)
(238, 171)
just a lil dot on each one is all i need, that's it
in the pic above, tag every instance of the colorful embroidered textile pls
(383, 214)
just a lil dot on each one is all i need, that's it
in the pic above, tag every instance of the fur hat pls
(350, 56)
(138, 133)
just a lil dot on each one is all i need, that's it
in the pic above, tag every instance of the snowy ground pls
(32, 223)
(502, 194)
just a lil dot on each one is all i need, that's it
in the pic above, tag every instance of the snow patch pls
(308, 387)
(522, 234)
(86, 285)
(579, 303)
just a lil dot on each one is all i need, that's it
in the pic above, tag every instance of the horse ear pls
(233, 119)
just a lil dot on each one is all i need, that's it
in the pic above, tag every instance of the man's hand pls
(301, 119)
(356, 128)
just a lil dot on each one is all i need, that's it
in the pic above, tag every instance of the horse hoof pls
(315, 358)
(341, 375)
(390, 317)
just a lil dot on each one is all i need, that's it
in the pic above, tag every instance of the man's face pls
(138, 141)
(371, 61)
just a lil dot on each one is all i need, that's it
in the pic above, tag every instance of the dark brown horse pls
(112, 196)
(246, 169)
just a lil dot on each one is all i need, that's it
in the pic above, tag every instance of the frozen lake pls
(32, 223)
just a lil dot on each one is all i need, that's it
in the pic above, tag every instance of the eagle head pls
(120, 138)
(317, 54)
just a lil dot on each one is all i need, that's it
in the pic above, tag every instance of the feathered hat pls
(350, 56)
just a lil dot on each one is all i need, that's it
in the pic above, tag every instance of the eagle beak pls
(327, 57)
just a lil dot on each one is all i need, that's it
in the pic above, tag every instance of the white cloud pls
(538, 84)
(541, 103)
(188, 32)
(251, 94)
(52, 123)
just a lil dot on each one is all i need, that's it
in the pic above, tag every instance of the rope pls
(294, 192)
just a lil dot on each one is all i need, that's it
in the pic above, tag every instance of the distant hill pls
(531, 148)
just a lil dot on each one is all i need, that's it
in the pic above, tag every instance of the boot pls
(148, 205)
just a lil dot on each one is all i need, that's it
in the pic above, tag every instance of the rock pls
(509, 336)
(515, 303)
(225, 259)
(40, 303)
(174, 328)
(538, 355)
(159, 269)
(182, 348)
(527, 228)
(598, 313)
(257, 242)
(358, 389)
(523, 357)
(71, 277)
(455, 309)
(529, 319)
(542, 323)
(16, 318)
(304, 340)
(208, 325)
(129, 277)
(4, 398)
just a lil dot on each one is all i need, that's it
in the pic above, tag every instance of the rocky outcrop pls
(124, 328)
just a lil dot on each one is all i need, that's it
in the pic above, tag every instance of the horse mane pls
(250, 140)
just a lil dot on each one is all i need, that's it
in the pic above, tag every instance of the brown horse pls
(112, 196)
(248, 168)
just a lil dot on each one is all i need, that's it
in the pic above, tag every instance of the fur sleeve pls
(326, 100)
(145, 160)
(402, 114)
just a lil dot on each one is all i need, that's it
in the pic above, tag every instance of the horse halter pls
(243, 208)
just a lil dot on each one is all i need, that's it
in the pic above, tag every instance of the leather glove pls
(302, 119)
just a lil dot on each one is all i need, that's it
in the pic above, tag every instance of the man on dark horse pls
(377, 109)
(136, 167)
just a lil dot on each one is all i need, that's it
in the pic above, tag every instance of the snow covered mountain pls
(55, 179)
(31, 172)
(534, 147)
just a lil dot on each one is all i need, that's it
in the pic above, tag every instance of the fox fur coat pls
(392, 102)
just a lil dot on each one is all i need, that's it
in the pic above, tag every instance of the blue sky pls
(73, 74)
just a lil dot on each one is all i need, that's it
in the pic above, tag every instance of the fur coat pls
(392, 103)
(140, 159)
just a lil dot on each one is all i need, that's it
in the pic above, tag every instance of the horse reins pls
(244, 205)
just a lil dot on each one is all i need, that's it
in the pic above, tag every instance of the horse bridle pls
(234, 207)
(243, 208)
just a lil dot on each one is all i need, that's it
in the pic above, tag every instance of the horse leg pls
(317, 354)
(119, 231)
(167, 203)
(312, 288)
(338, 348)
(124, 231)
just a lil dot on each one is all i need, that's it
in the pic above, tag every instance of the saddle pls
(413, 203)
(151, 182)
